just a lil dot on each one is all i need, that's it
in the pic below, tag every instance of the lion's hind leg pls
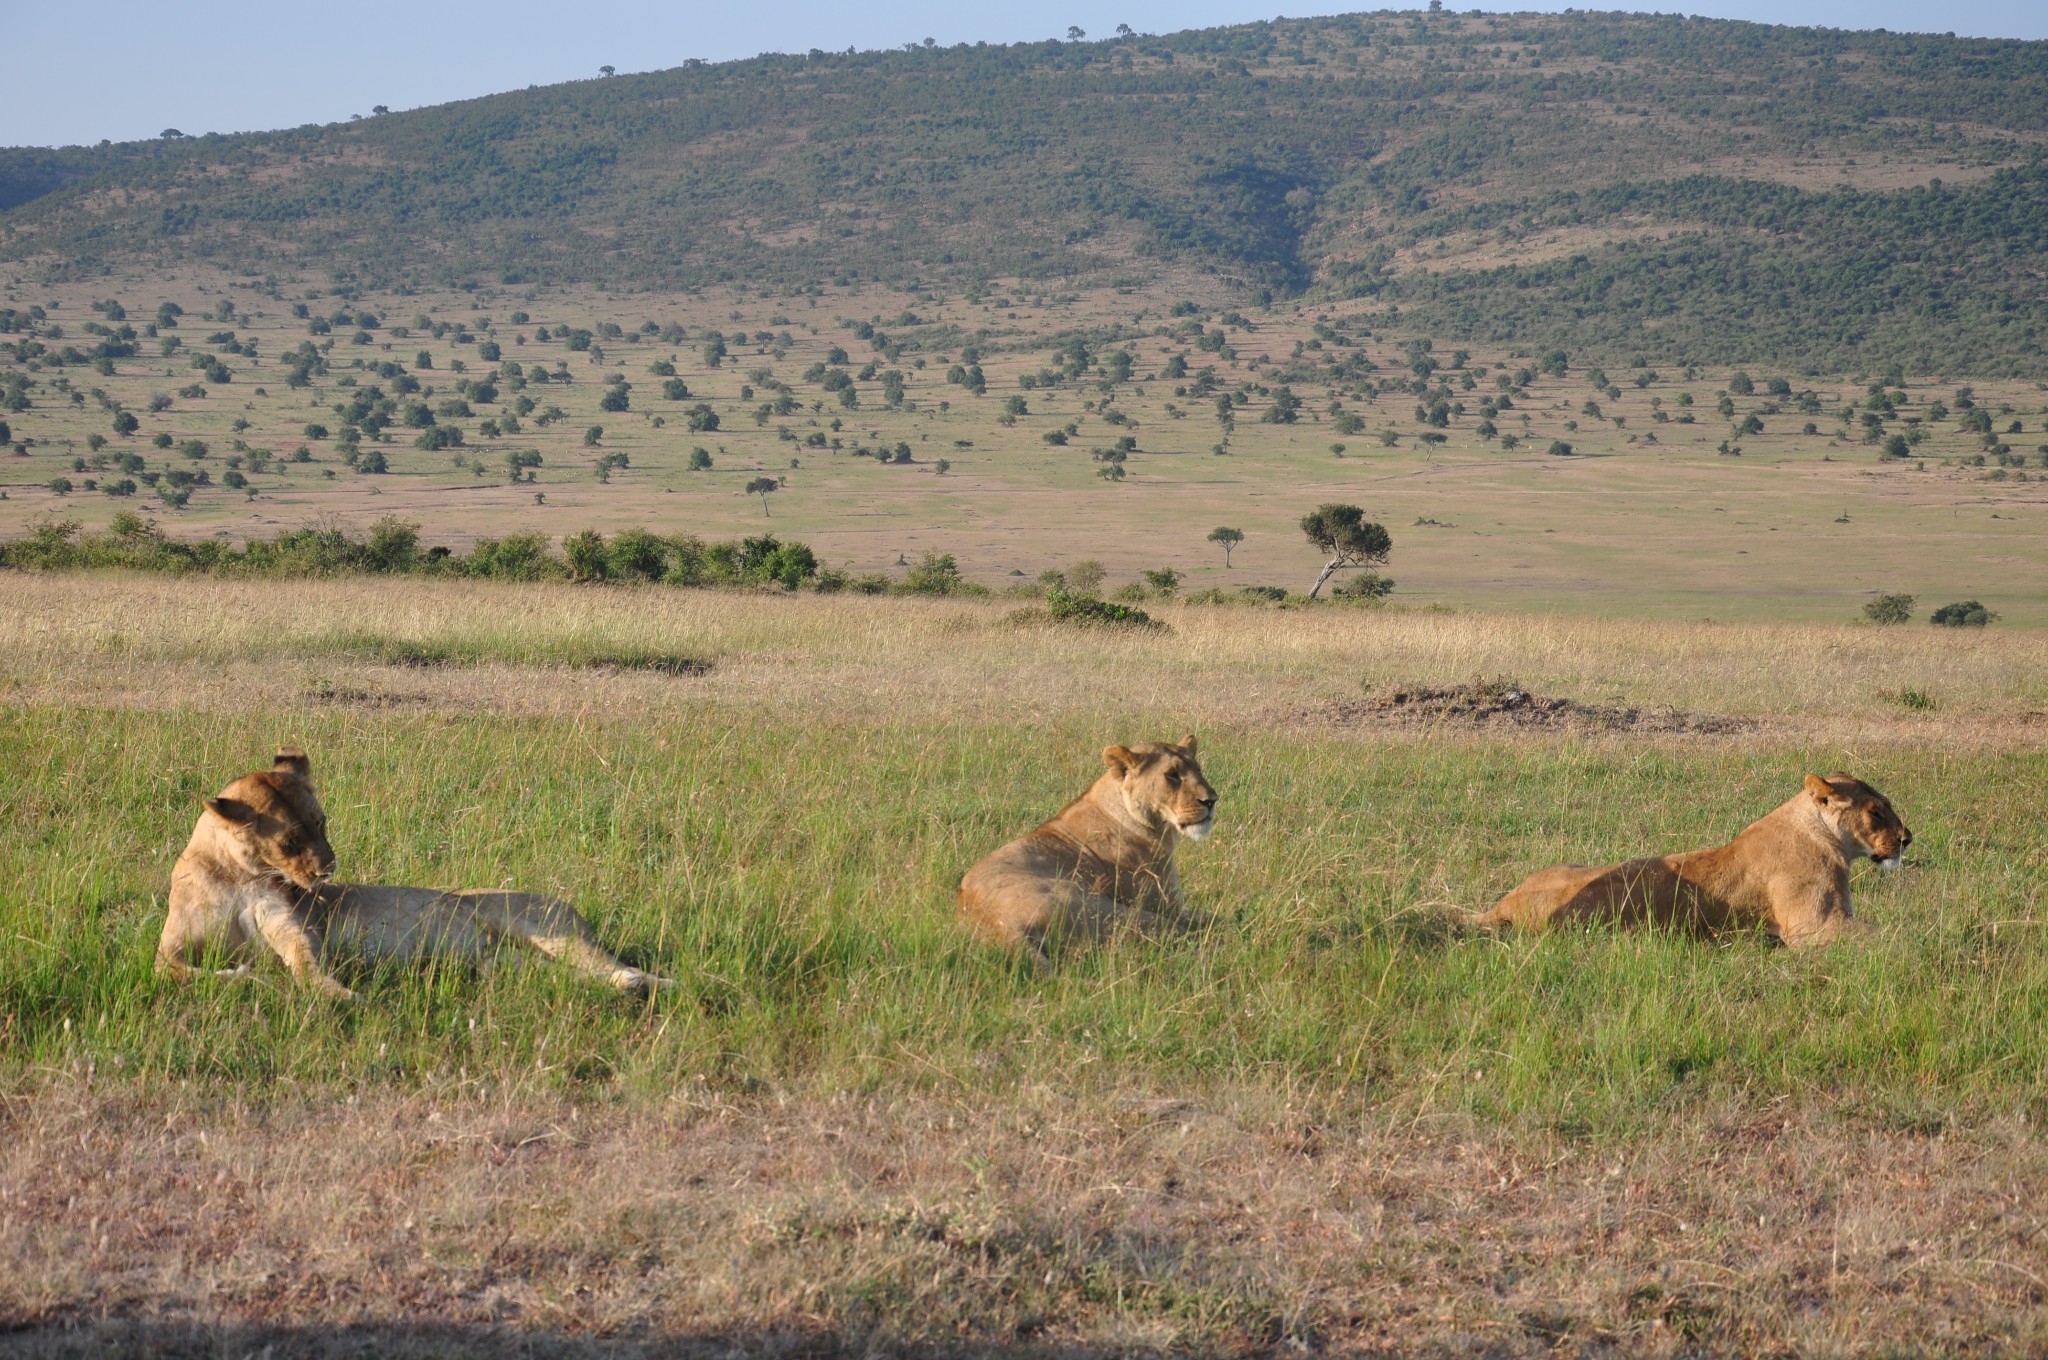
(1538, 900)
(555, 929)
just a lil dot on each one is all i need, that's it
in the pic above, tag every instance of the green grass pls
(795, 875)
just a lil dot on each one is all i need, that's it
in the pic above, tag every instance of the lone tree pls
(762, 487)
(1889, 609)
(1228, 539)
(1348, 537)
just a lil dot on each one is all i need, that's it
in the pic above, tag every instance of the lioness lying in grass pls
(1788, 872)
(1105, 859)
(255, 877)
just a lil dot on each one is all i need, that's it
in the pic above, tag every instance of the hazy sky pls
(127, 69)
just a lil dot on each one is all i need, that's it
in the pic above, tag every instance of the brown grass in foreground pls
(450, 1224)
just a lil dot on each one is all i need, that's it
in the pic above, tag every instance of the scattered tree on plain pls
(1350, 539)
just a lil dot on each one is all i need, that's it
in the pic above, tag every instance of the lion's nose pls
(1210, 801)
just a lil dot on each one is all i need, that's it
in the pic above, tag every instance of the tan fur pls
(1787, 872)
(255, 879)
(1105, 859)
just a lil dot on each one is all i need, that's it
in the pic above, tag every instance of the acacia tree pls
(1348, 537)
(762, 487)
(1228, 538)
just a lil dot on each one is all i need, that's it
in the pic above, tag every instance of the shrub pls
(1367, 585)
(586, 555)
(636, 554)
(1889, 609)
(935, 574)
(1067, 607)
(1962, 614)
(516, 557)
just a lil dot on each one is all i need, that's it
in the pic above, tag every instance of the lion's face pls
(1863, 815)
(1163, 781)
(275, 819)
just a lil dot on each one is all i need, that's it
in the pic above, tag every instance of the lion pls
(1103, 860)
(1787, 872)
(257, 876)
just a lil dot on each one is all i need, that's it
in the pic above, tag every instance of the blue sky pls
(122, 69)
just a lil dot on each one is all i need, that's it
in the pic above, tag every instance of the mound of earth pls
(1491, 704)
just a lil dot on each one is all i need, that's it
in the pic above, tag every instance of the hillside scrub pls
(1732, 191)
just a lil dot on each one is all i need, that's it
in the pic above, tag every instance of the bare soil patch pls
(1502, 704)
(351, 696)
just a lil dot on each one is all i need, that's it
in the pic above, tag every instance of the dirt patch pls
(1503, 704)
(638, 661)
(362, 698)
(1037, 1226)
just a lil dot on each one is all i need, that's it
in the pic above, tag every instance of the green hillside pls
(1623, 185)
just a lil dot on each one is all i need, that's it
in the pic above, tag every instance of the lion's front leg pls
(288, 939)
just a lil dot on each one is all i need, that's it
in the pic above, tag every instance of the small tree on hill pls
(763, 487)
(1350, 539)
(1962, 614)
(1889, 609)
(1227, 539)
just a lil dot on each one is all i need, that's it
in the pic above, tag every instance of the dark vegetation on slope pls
(1324, 154)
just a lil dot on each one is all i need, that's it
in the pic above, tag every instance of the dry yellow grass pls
(169, 642)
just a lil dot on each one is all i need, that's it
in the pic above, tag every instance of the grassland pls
(1329, 1120)
(1647, 517)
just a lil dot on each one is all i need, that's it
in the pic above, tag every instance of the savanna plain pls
(1328, 1120)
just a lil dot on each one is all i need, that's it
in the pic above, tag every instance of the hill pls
(1622, 185)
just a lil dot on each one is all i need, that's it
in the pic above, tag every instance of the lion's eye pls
(1173, 779)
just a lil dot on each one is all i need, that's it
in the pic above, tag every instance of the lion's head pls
(1162, 782)
(1862, 815)
(274, 819)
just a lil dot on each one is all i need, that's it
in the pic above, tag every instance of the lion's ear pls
(1821, 791)
(291, 760)
(1188, 743)
(1120, 758)
(232, 810)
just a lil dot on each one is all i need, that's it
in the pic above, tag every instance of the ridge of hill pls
(1627, 186)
